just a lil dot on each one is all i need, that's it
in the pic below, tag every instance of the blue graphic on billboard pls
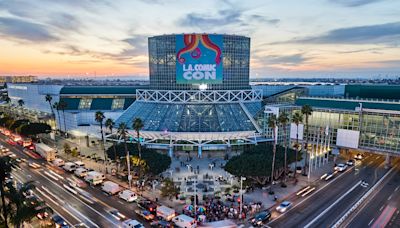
(199, 59)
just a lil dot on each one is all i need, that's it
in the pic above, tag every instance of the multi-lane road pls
(321, 208)
(89, 206)
(329, 202)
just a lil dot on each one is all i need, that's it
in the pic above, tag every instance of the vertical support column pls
(388, 161)
(171, 151)
(199, 151)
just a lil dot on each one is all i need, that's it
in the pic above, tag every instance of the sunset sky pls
(306, 38)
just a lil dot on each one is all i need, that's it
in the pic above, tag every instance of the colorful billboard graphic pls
(199, 59)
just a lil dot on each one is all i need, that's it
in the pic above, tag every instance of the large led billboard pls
(199, 59)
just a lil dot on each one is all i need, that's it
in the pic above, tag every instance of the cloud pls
(64, 21)
(287, 60)
(369, 34)
(24, 30)
(224, 18)
(354, 3)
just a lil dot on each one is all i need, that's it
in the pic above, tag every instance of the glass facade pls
(235, 57)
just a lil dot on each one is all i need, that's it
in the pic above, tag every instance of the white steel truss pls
(198, 96)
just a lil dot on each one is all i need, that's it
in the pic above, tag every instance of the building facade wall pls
(235, 57)
(33, 95)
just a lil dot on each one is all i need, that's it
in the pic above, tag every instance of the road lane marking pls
(370, 222)
(380, 209)
(86, 218)
(390, 197)
(397, 188)
(117, 224)
(323, 187)
(332, 205)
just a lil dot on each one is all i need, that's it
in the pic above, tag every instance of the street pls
(91, 206)
(323, 207)
(373, 209)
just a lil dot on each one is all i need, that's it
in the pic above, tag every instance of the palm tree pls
(56, 106)
(63, 105)
(99, 117)
(306, 110)
(49, 98)
(283, 120)
(297, 119)
(7, 99)
(272, 123)
(21, 104)
(137, 126)
(122, 132)
(110, 125)
(6, 165)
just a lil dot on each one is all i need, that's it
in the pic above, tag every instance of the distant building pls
(18, 79)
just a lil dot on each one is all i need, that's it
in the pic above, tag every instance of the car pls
(12, 155)
(350, 162)
(341, 167)
(131, 223)
(147, 205)
(59, 222)
(34, 165)
(330, 175)
(145, 214)
(261, 218)
(127, 195)
(161, 224)
(42, 215)
(11, 142)
(117, 215)
(358, 156)
(284, 206)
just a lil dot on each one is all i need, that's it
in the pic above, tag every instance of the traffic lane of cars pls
(318, 201)
(388, 195)
(111, 202)
(83, 208)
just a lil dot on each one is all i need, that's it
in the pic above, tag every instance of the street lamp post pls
(195, 200)
(241, 194)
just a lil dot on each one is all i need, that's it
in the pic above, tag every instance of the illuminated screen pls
(199, 59)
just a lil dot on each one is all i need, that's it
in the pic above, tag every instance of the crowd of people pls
(217, 209)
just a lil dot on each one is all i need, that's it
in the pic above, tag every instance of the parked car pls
(350, 162)
(341, 167)
(127, 195)
(145, 214)
(284, 206)
(261, 218)
(148, 205)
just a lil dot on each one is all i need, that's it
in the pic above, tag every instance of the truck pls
(48, 153)
(165, 212)
(94, 178)
(184, 221)
(110, 188)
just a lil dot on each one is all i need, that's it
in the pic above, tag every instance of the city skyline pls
(98, 38)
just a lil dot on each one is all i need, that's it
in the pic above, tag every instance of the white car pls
(341, 167)
(284, 206)
(127, 195)
(350, 162)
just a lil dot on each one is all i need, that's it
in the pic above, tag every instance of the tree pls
(23, 209)
(21, 104)
(297, 119)
(110, 125)
(255, 162)
(122, 132)
(74, 152)
(34, 129)
(283, 120)
(306, 110)
(168, 189)
(155, 163)
(67, 148)
(56, 106)
(49, 98)
(18, 123)
(99, 117)
(137, 126)
(63, 105)
(272, 123)
(6, 165)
